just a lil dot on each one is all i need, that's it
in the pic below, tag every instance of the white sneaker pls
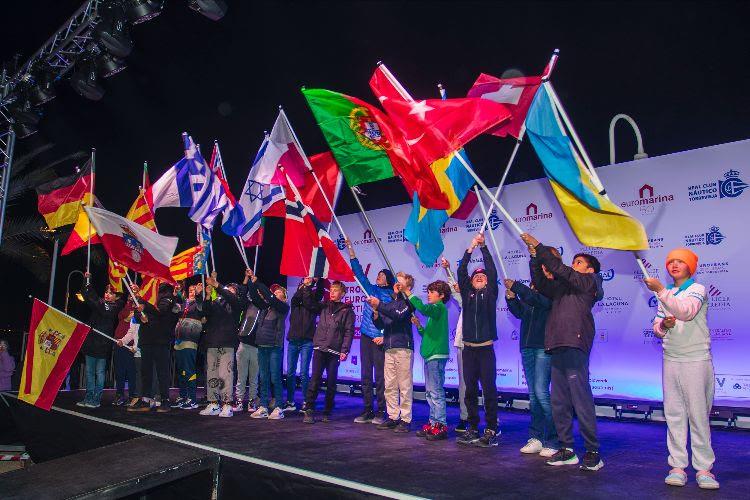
(533, 445)
(261, 412)
(276, 414)
(211, 409)
(226, 411)
(547, 452)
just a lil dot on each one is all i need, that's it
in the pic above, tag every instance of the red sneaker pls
(439, 432)
(426, 430)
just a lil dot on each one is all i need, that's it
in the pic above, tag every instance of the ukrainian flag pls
(595, 220)
(423, 226)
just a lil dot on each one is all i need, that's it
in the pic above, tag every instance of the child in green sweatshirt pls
(434, 351)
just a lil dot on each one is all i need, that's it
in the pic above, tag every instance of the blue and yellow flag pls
(424, 225)
(595, 220)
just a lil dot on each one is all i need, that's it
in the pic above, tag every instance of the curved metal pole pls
(67, 286)
(640, 154)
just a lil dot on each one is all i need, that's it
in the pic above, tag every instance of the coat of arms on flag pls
(131, 241)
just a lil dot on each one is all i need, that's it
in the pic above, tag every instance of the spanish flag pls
(188, 263)
(59, 200)
(54, 341)
(595, 220)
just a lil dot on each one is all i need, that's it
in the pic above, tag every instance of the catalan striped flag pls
(188, 263)
(115, 273)
(54, 341)
(59, 200)
(149, 289)
(141, 213)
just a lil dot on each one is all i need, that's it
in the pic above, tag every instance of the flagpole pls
(199, 236)
(298, 198)
(129, 286)
(54, 266)
(498, 254)
(91, 194)
(372, 230)
(498, 190)
(236, 239)
(255, 258)
(468, 168)
(310, 169)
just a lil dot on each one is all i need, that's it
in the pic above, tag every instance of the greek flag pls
(209, 195)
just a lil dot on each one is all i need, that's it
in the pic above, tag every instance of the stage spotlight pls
(109, 65)
(139, 11)
(113, 31)
(212, 9)
(44, 80)
(25, 117)
(84, 80)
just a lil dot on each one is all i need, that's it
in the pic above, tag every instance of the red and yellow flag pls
(60, 199)
(115, 273)
(188, 263)
(141, 213)
(149, 289)
(54, 341)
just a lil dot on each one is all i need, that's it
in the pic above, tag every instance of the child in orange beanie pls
(688, 373)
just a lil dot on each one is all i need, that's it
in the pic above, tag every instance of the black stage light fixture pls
(109, 65)
(113, 31)
(139, 11)
(212, 9)
(84, 80)
(44, 80)
(25, 117)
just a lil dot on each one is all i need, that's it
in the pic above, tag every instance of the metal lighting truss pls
(61, 52)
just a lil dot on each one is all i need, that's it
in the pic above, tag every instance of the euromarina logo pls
(648, 200)
(474, 225)
(607, 275)
(533, 216)
(730, 187)
(367, 238)
(712, 237)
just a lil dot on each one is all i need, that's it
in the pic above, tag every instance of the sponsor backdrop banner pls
(694, 198)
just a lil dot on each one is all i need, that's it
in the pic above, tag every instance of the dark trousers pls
(330, 363)
(124, 371)
(373, 358)
(155, 356)
(571, 391)
(479, 367)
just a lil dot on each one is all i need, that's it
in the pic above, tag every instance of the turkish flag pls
(434, 128)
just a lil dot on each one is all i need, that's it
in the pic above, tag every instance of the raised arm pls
(277, 304)
(362, 277)
(578, 281)
(430, 310)
(529, 296)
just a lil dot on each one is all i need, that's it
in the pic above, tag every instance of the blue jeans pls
(434, 388)
(186, 376)
(95, 368)
(537, 365)
(269, 366)
(295, 349)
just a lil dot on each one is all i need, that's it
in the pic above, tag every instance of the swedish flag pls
(594, 219)
(424, 225)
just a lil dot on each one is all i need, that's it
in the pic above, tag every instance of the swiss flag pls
(516, 93)
(434, 128)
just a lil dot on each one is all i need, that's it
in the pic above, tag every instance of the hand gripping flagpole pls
(298, 198)
(129, 285)
(521, 134)
(468, 168)
(91, 195)
(236, 239)
(498, 254)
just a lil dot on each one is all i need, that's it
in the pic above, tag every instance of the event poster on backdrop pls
(694, 198)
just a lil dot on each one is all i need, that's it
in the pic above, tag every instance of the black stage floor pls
(634, 453)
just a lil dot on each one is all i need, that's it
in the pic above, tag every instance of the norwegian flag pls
(308, 249)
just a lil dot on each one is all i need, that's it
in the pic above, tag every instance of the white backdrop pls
(694, 198)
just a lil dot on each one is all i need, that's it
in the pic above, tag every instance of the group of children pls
(241, 328)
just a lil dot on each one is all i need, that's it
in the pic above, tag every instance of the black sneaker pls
(140, 407)
(468, 437)
(289, 406)
(365, 418)
(388, 424)
(592, 461)
(462, 426)
(402, 427)
(308, 418)
(118, 401)
(178, 402)
(564, 456)
(488, 439)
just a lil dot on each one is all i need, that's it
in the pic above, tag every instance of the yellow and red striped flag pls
(141, 213)
(188, 263)
(54, 341)
(149, 289)
(59, 200)
(115, 273)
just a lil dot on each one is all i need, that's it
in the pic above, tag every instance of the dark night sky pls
(680, 69)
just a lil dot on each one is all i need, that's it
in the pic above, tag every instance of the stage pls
(287, 458)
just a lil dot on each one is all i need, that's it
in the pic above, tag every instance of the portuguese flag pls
(368, 147)
(60, 199)
(54, 341)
